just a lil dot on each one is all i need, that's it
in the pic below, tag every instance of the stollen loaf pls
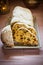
(17, 25)
(21, 29)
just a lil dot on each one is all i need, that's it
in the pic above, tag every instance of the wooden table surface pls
(22, 56)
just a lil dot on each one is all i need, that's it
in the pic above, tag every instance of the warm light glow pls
(32, 1)
(4, 8)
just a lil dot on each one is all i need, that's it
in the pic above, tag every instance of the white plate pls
(38, 36)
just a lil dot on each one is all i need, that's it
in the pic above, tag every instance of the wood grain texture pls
(22, 56)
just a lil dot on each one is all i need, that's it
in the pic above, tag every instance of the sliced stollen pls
(23, 13)
(24, 37)
(6, 36)
(17, 25)
(32, 29)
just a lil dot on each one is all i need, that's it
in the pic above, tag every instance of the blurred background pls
(5, 4)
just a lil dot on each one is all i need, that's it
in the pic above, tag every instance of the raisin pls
(14, 37)
(25, 31)
(34, 39)
(20, 29)
(33, 36)
(17, 35)
(20, 35)
(13, 32)
(21, 38)
(17, 26)
(28, 39)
